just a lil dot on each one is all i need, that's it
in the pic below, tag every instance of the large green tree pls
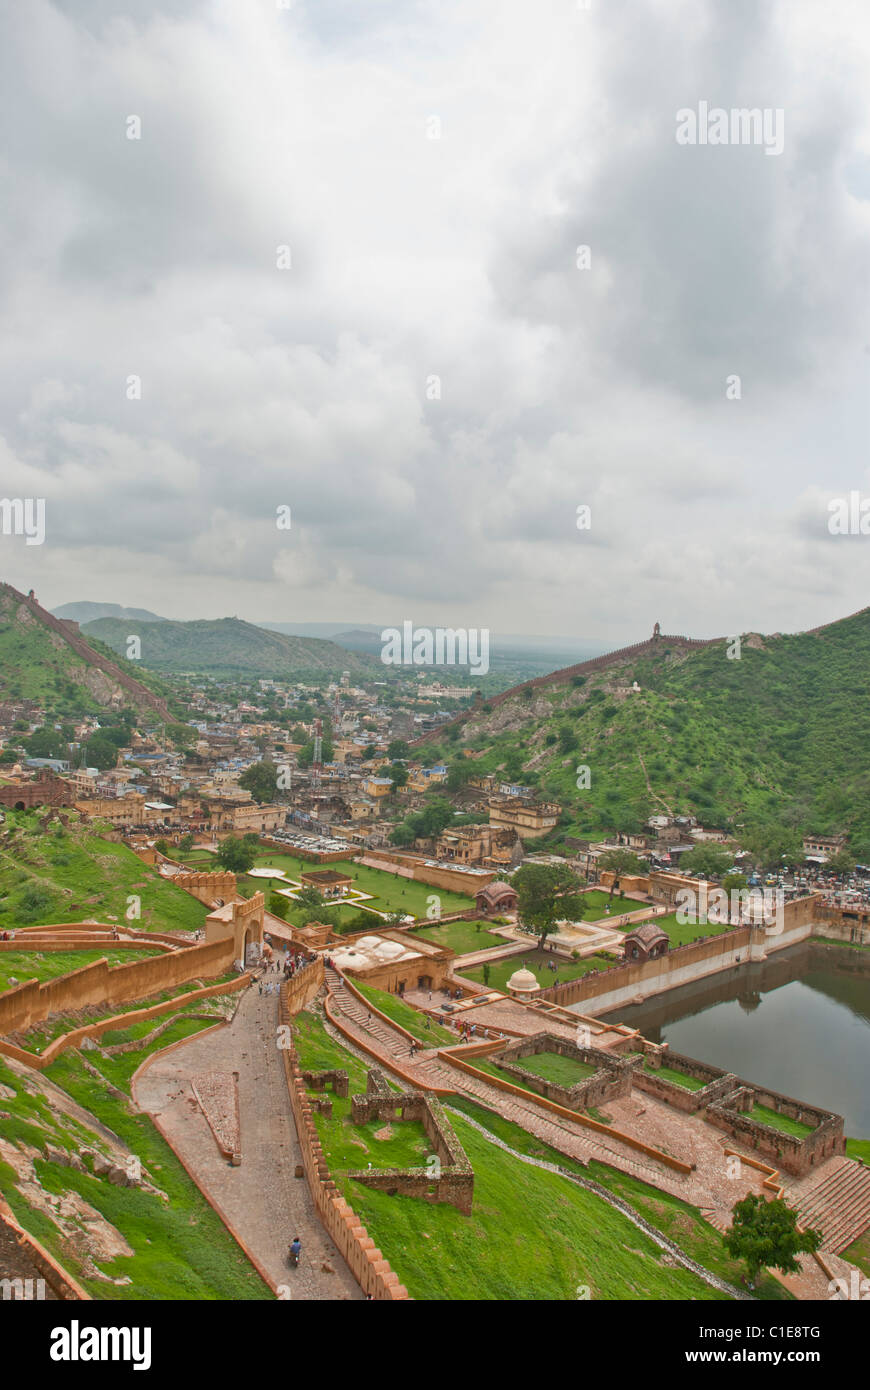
(619, 862)
(261, 780)
(236, 855)
(547, 894)
(764, 1234)
(711, 861)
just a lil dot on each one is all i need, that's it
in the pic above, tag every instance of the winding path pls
(262, 1200)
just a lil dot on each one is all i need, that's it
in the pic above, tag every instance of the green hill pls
(70, 874)
(780, 737)
(226, 647)
(47, 660)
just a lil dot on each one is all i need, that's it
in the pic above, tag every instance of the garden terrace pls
(681, 1081)
(576, 1077)
(793, 1135)
(387, 892)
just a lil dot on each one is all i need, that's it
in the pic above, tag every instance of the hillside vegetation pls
(776, 737)
(69, 874)
(225, 647)
(37, 664)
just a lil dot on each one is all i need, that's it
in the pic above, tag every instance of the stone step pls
(838, 1205)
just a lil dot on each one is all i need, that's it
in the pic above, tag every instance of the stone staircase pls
(837, 1202)
(428, 1071)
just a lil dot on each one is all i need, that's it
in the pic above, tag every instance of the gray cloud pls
(414, 258)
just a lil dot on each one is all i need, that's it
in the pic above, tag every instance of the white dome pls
(388, 950)
(523, 982)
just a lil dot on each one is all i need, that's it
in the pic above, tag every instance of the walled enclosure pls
(450, 1180)
(611, 1079)
(794, 1154)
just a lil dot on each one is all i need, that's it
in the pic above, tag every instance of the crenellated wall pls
(102, 984)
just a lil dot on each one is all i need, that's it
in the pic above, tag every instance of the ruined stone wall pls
(787, 1151)
(718, 1084)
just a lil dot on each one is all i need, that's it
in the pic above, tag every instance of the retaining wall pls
(100, 983)
(366, 1263)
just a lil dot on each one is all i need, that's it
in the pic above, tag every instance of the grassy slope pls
(36, 664)
(74, 874)
(182, 1250)
(532, 1234)
(407, 1017)
(674, 1218)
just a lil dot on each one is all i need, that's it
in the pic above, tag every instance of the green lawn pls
(858, 1253)
(537, 961)
(34, 965)
(391, 893)
(408, 1017)
(858, 1148)
(70, 874)
(765, 1116)
(532, 1235)
(683, 1223)
(462, 937)
(181, 1248)
(676, 1078)
(597, 902)
(552, 1066)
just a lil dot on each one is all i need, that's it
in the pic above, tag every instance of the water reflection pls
(783, 1022)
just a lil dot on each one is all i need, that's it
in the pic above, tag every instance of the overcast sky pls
(412, 257)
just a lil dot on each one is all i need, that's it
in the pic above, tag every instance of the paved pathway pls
(266, 1204)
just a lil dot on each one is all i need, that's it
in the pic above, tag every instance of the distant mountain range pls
(89, 612)
(226, 648)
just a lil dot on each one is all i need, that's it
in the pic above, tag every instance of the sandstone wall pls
(102, 984)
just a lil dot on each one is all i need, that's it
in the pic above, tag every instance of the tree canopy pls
(764, 1234)
(547, 894)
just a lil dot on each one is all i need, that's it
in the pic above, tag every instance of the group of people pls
(285, 966)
